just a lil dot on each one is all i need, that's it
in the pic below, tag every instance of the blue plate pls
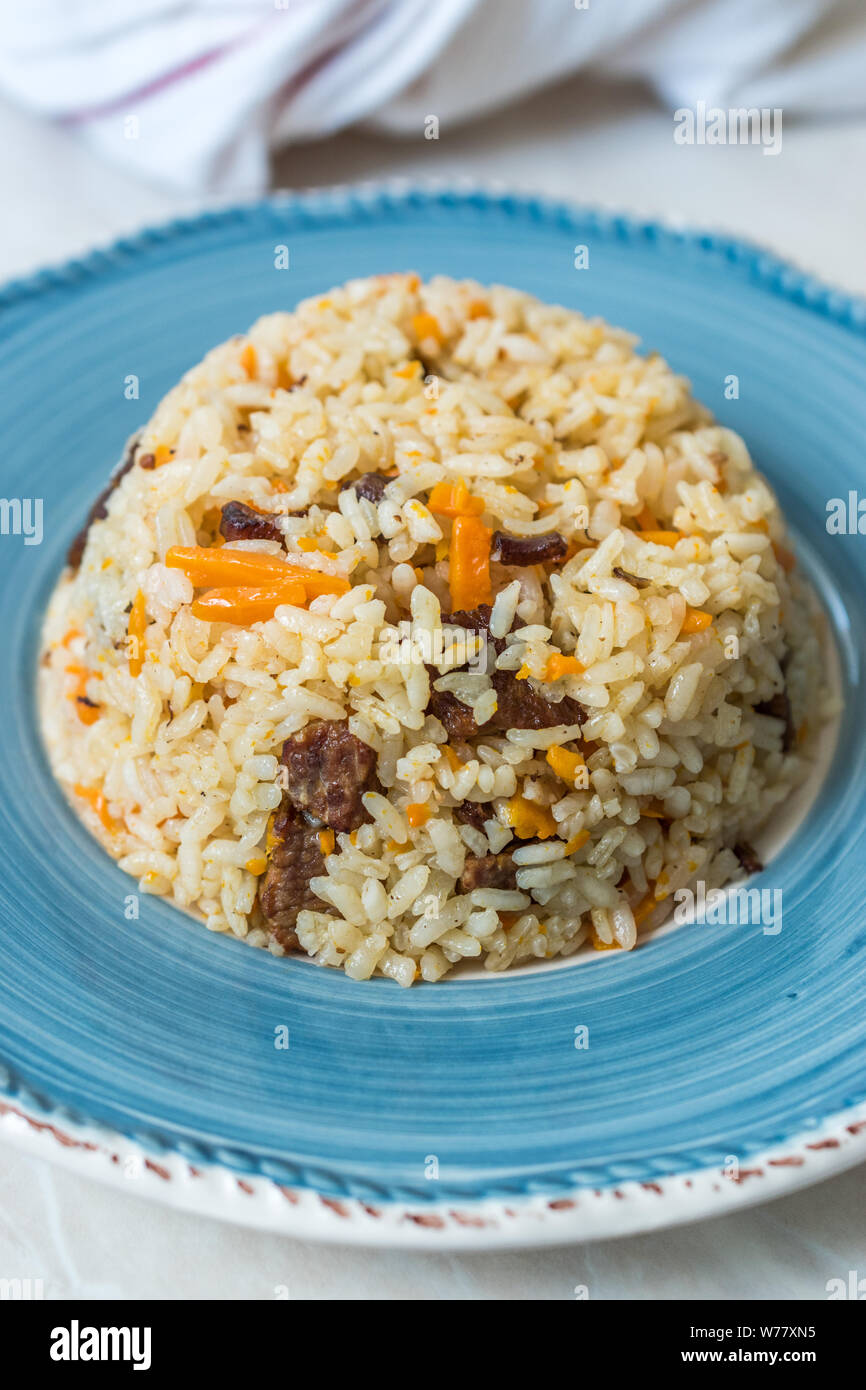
(705, 1042)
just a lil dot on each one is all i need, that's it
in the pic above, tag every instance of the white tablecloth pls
(808, 203)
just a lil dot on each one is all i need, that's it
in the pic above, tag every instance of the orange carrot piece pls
(136, 630)
(646, 906)
(88, 714)
(559, 665)
(528, 820)
(599, 945)
(454, 499)
(225, 568)
(243, 606)
(696, 620)
(478, 309)
(408, 371)
(577, 842)
(162, 455)
(646, 520)
(326, 842)
(565, 763)
(668, 538)
(97, 802)
(249, 360)
(426, 326)
(469, 564)
(417, 813)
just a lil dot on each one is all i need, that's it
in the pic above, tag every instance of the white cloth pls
(192, 93)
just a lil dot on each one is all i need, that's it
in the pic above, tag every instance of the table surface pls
(597, 145)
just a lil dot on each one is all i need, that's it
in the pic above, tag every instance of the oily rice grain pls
(673, 651)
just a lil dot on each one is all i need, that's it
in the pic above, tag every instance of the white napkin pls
(193, 93)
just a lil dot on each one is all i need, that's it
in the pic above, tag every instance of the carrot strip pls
(87, 713)
(646, 906)
(559, 665)
(417, 813)
(136, 630)
(243, 606)
(249, 360)
(98, 803)
(426, 326)
(669, 538)
(454, 499)
(599, 945)
(326, 842)
(225, 568)
(528, 820)
(696, 620)
(469, 566)
(564, 763)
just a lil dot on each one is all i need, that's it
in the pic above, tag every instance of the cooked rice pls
(557, 424)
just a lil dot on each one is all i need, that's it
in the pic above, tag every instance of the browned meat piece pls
(488, 871)
(528, 550)
(369, 485)
(518, 707)
(476, 620)
(474, 813)
(780, 708)
(328, 771)
(457, 718)
(99, 510)
(748, 858)
(242, 523)
(630, 578)
(521, 707)
(285, 889)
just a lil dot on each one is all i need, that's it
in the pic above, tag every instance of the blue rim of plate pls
(706, 1043)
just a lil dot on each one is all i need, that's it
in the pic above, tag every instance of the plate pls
(462, 1109)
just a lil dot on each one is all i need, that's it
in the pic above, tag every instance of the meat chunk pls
(457, 718)
(476, 620)
(748, 858)
(473, 813)
(488, 871)
(99, 510)
(242, 523)
(521, 707)
(285, 889)
(369, 485)
(528, 550)
(779, 707)
(328, 770)
(518, 705)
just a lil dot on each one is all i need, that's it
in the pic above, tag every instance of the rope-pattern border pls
(284, 212)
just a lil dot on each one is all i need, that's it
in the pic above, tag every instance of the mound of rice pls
(669, 628)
